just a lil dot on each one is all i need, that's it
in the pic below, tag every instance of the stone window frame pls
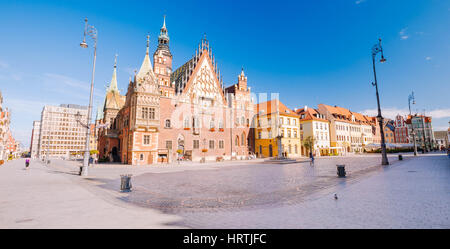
(167, 123)
(196, 144)
(146, 140)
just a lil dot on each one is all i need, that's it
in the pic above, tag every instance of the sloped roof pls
(271, 107)
(146, 67)
(114, 100)
(346, 115)
(310, 114)
(177, 75)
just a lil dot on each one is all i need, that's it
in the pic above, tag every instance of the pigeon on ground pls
(335, 196)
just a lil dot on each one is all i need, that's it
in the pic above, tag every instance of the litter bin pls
(125, 183)
(400, 157)
(341, 170)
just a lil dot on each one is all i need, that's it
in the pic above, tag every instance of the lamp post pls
(375, 50)
(411, 97)
(92, 32)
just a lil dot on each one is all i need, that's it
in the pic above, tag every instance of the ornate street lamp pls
(375, 50)
(411, 97)
(92, 32)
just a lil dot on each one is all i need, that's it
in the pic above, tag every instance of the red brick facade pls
(186, 113)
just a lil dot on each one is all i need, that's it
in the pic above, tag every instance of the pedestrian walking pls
(311, 163)
(27, 163)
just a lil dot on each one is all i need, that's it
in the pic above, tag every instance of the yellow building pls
(276, 125)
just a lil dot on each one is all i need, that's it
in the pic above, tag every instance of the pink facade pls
(401, 130)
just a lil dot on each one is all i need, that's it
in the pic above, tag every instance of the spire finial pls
(164, 24)
(115, 60)
(148, 41)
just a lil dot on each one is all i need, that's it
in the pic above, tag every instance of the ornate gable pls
(148, 84)
(204, 83)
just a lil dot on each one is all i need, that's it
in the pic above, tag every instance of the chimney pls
(306, 108)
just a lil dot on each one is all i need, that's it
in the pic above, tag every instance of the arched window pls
(236, 141)
(167, 123)
(142, 157)
(243, 139)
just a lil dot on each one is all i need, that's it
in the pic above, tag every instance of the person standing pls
(312, 158)
(27, 163)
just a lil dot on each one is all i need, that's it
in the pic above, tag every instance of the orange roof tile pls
(271, 106)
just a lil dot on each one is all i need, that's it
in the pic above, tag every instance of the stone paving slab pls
(409, 194)
(42, 197)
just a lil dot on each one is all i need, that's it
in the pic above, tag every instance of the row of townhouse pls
(418, 127)
(331, 130)
(325, 130)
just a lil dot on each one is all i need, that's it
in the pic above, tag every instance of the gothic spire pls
(146, 66)
(113, 84)
(163, 38)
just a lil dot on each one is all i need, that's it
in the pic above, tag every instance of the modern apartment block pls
(61, 135)
(35, 135)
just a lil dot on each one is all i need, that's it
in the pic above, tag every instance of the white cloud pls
(428, 58)
(23, 106)
(359, 1)
(403, 34)
(386, 112)
(61, 79)
(440, 113)
(392, 112)
(58, 79)
(3, 64)
(440, 128)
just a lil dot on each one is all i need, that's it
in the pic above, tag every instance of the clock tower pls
(162, 61)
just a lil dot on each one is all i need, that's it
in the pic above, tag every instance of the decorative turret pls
(242, 81)
(163, 38)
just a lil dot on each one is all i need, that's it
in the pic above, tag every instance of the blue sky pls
(311, 52)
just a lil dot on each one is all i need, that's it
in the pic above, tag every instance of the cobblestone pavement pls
(244, 186)
(413, 193)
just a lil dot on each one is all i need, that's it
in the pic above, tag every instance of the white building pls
(349, 131)
(35, 135)
(61, 135)
(313, 124)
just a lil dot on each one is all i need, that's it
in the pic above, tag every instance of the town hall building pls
(168, 114)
